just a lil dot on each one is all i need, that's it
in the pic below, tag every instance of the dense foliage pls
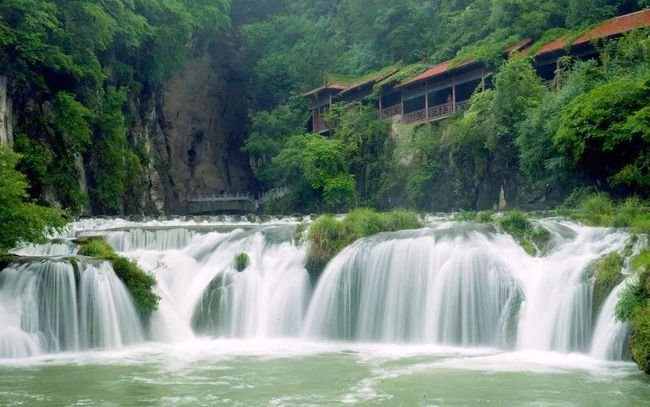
(21, 219)
(519, 129)
(73, 65)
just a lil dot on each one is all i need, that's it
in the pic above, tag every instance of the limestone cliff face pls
(193, 130)
(6, 114)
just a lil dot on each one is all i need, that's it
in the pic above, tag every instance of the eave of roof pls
(370, 81)
(329, 86)
(518, 46)
(436, 70)
(609, 28)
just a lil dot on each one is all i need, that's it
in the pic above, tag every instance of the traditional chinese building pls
(436, 92)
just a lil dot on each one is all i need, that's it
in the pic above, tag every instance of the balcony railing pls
(391, 111)
(462, 106)
(437, 112)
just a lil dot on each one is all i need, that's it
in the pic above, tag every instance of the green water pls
(292, 373)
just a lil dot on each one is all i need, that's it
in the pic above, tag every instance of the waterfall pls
(157, 239)
(440, 286)
(610, 335)
(457, 284)
(52, 306)
(209, 297)
(463, 285)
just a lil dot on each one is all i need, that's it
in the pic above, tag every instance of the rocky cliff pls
(193, 130)
(6, 114)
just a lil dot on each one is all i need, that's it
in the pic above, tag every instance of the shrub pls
(630, 299)
(641, 262)
(139, 284)
(627, 212)
(242, 261)
(485, 217)
(96, 247)
(596, 210)
(515, 223)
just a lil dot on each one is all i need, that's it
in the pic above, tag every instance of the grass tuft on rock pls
(139, 283)
(242, 261)
(328, 236)
(532, 238)
(597, 209)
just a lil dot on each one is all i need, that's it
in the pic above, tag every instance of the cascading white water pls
(55, 248)
(452, 283)
(203, 293)
(610, 335)
(439, 286)
(48, 306)
(462, 285)
(157, 239)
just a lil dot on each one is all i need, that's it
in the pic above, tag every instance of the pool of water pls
(213, 372)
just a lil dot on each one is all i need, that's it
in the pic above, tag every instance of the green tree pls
(21, 219)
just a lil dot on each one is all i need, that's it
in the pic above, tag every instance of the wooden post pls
(380, 105)
(453, 94)
(330, 102)
(401, 102)
(426, 100)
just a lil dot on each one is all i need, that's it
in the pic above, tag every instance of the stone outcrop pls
(6, 114)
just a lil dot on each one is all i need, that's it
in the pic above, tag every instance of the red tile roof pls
(615, 26)
(518, 46)
(435, 71)
(446, 66)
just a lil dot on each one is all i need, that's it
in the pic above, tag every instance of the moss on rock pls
(607, 275)
(329, 236)
(139, 283)
(532, 238)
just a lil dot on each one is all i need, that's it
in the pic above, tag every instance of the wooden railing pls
(462, 106)
(391, 111)
(437, 112)
(416, 116)
(441, 111)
